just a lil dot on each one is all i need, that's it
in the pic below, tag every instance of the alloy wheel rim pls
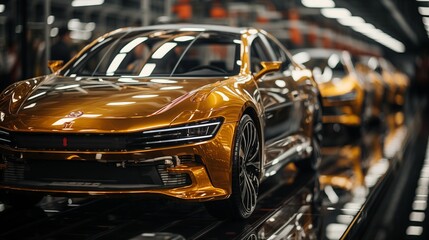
(249, 166)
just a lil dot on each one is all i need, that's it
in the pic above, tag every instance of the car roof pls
(191, 27)
(318, 52)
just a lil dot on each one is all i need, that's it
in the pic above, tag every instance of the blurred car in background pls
(194, 112)
(398, 83)
(343, 93)
(395, 82)
(376, 87)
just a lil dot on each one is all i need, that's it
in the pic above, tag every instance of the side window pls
(280, 54)
(258, 54)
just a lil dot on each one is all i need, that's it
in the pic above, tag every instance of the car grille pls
(113, 142)
(70, 142)
(77, 142)
(89, 174)
(173, 179)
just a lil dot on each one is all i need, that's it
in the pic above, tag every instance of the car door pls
(281, 100)
(297, 86)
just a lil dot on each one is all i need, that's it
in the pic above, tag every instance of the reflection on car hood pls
(338, 86)
(40, 100)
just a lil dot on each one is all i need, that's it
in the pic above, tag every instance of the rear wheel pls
(246, 169)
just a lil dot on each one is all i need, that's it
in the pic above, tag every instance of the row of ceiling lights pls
(424, 11)
(85, 3)
(358, 24)
(343, 16)
(75, 3)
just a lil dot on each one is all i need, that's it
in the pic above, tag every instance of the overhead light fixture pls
(335, 12)
(422, 0)
(318, 3)
(301, 57)
(379, 36)
(344, 17)
(54, 32)
(86, 3)
(389, 42)
(426, 20)
(368, 26)
(2, 8)
(424, 11)
(372, 32)
(365, 27)
(351, 21)
(50, 20)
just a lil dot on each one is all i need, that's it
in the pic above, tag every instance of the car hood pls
(51, 102)
(338, 86)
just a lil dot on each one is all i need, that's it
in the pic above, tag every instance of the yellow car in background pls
(342, 91)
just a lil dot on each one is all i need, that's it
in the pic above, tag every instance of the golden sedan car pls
(343, 92)
(193, 112)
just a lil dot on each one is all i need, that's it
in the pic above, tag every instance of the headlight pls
(182, 134)
(345, 97)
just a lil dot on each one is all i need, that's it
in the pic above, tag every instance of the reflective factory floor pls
(354, 196)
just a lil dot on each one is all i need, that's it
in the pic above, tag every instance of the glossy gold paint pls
(118, 110)
(268, 67)
(55, 65)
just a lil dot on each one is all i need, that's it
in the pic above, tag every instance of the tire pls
(20, 199)
(246, 170)
(311, 164)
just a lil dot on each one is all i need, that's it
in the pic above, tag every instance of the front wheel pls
(246, 169)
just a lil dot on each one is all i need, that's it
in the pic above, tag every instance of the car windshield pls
(160, 53)
(325, 67)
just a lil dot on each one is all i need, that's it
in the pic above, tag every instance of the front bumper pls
(207, 176)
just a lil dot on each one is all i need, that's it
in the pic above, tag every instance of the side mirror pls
(55, 65)
(268, 67)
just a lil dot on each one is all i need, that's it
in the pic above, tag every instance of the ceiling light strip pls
(345, 18)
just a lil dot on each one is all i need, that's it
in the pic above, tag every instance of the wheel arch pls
(252, 112)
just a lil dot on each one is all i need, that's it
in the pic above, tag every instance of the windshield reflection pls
(161, 53)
